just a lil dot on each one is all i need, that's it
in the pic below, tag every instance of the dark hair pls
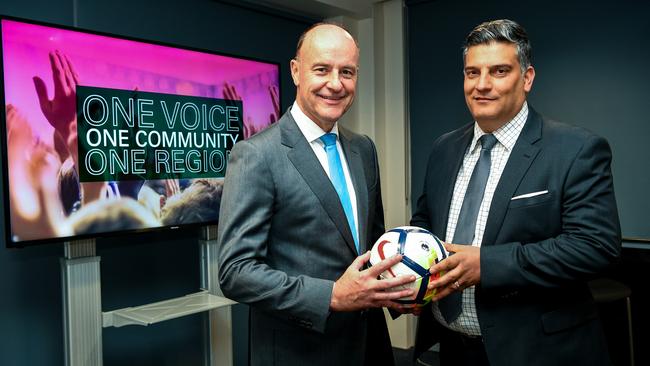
(502, 30)
(199, 202)
(301, 40)
(69, 188)
(111, 215)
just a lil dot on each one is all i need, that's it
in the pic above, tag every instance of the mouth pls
(483, 99)
(333, 99)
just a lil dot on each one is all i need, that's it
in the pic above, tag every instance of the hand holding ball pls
(420, 250)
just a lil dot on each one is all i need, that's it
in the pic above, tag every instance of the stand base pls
(164, 310)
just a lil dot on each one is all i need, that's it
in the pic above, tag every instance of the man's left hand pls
(461, 270)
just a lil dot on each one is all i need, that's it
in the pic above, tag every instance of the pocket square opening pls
(528, 195)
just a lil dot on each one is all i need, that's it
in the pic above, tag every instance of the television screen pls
(104, 135)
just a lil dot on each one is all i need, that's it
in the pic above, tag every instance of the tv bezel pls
(6, 210)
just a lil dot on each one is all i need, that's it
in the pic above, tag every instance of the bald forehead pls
(326, 34)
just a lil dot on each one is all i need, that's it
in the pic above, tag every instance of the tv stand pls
(83, 317)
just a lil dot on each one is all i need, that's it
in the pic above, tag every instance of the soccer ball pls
(420, 250)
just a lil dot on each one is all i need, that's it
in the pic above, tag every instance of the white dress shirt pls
(312, 133)
(507, 135)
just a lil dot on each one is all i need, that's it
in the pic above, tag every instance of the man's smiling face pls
(495, 87)
(325, 74)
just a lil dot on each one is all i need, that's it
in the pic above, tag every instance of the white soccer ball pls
(420, 250)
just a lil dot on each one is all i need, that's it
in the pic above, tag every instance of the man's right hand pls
(359, 289)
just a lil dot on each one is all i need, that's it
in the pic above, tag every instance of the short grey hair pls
(502, 30)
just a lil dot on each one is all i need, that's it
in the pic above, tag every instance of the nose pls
(334, 82)
(484, 82)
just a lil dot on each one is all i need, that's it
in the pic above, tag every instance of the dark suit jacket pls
(284, 240)
(533, 303)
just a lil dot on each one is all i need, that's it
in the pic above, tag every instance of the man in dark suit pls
(301, 202)
(530, 204)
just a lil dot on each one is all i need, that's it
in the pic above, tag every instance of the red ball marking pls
(382, 256)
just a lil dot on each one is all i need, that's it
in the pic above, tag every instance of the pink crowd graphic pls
(42, 65)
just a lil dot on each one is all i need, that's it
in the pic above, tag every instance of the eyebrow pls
(490, 67)
(328, 65)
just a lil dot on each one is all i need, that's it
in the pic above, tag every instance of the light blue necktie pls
(450, 306)
(338, 180)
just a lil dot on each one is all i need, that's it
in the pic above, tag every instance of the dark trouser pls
(457, 349)
(378, 346)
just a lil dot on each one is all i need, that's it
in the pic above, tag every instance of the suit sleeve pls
(588, 242)
(377, 225)
(245, 219)
(421, 217)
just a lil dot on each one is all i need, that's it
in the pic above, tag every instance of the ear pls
(529, 76)
(294, 65)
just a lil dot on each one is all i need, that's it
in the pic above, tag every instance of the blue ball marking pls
(423, 272)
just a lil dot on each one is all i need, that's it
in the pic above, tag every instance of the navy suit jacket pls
(533, 303)
(284, 241)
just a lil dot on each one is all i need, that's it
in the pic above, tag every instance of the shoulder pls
(442, 145)
(557, 128)
(567, 135)
(263, 141)
(360, 141)
(267, 135)
(456, 135)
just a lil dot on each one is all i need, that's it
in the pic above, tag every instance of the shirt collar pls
(507, 134)
(309, 128)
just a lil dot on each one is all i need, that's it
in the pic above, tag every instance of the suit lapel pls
(306, 163)
(357, 175)
(522, 156)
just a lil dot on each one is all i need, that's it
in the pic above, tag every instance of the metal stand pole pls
(82, 313)
(218, 332)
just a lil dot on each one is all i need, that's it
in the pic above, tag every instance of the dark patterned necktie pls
(450, 306)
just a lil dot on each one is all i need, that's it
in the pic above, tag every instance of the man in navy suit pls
(530, 206)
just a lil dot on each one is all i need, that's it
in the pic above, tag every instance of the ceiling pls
(357, 9)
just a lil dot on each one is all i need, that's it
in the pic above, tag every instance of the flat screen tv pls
(104, 134)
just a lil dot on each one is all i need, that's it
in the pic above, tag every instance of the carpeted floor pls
(405, 358)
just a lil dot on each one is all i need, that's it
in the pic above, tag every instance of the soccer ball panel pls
(420, 250)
